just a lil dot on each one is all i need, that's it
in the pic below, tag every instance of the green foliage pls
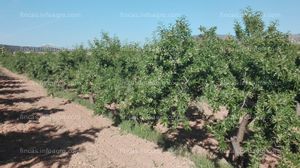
(256, 72)
(202, 162)
(141, 130)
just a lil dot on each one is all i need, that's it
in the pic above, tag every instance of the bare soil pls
(40, 131)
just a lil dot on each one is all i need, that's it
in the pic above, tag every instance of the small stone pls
(199, 150)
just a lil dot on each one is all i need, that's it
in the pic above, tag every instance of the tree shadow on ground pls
(197, 135)
(10, 86)
(6, 81)
(9, 82)
(24, 116)
(176, 138)
(43, 146)
(4, 77)
(10, 91)
(12, 101)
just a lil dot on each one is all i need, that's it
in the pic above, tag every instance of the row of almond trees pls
(255, 74)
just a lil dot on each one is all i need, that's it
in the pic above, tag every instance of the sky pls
(68, 23)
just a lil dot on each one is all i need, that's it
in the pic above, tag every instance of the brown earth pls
(40, 131)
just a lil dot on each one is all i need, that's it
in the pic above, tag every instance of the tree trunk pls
(298, 109)
(91, 98)
(243, 127)
(236, 140)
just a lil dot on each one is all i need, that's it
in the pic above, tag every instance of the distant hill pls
(46, 48)
(294, 38)
(223, 37)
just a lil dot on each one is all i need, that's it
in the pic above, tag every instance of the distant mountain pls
(45, 48)
(294, 38)
(221, 36)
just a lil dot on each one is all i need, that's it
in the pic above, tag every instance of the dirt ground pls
(40, 131)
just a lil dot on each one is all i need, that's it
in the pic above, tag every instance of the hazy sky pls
(65, 23)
